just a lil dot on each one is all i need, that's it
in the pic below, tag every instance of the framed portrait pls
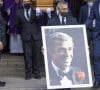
(66, 56)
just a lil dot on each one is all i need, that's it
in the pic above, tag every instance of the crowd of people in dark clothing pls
(27, 23)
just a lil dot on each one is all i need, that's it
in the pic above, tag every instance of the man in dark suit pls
(27, 22)
(2, 40)
(83, 15)
(64, 17)
(95, 14)
(5, 15)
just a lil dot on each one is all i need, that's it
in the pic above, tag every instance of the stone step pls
(10, 70)
(19, 83)
(9, 56)
(12, 64)
(25, 89)
(13, 61)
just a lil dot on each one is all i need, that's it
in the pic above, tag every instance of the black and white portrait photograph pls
(66, 56)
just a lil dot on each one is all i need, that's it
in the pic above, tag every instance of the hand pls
(80, 75)
(1, 45)
(48, 12)
(38, 11)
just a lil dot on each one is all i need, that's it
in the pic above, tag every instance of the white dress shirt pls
(89, 12)
(64, 81)
(60, 18)
(25, 13)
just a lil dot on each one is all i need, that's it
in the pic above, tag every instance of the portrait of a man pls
(60, 52)
(62, 55)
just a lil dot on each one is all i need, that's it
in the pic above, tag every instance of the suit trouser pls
(32, 55)
(96, 59)
(89, 36)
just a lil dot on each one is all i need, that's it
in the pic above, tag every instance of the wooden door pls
(44, 4)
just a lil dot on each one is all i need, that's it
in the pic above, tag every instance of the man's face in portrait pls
(63, 54)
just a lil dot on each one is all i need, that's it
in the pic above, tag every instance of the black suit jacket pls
(95, 14)
(2, 30)
(83, 15)
(29, 28)
(55, 79)
(55, 21)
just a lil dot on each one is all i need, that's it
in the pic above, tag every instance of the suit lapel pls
(87, 10)
(54, 79)
(26, 17)
(32, 15)
(98, 6)
(58, 20)
(68, 21)
(23, 14)
(97, 9)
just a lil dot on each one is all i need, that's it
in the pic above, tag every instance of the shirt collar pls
(60, 18)
(29, 10)
(57, 68)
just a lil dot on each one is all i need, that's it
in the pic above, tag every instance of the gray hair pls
(59, 5)
(55, 37)
(60, 36)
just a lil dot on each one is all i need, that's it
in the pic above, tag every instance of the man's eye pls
(62, 51)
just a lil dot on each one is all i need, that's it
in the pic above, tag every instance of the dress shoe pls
(28, 76)
(2, 84)
(37, 76)
(96, 84)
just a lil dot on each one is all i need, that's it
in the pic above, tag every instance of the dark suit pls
(95, 14)
(2, 30)
(55, 21)
(71, 75)
(2, 39)
(84, 11)
(83, 14)
(31, 38)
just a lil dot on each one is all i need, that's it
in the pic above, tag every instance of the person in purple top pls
(15, 40)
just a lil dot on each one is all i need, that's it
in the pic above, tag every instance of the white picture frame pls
(81, 52)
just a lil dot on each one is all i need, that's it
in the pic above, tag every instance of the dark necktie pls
(63, 23)
(62, 74)
(27, 14)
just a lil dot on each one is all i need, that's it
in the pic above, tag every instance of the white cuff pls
(38, 11)
(48, 12)
(8, 11)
